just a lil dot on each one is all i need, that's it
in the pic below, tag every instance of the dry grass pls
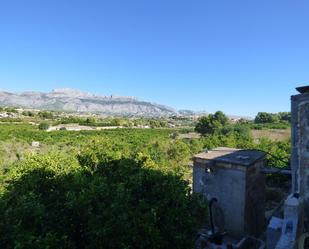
(274, 135)
(190, 135)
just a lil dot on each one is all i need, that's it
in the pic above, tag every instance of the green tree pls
(28, 113)
(11, 109)
(211, 123)
(265, 117)
(53, 202)
(43, 126)
(285, 116)
(45, 114)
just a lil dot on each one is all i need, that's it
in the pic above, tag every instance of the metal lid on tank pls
(303, 89)
(232, 156)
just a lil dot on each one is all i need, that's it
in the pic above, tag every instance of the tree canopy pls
(43, 126)
(211, 123)
(270, 118)
(55, 201)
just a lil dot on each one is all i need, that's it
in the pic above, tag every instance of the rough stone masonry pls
(300, 145)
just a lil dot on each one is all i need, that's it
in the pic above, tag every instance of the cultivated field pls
(274, 134)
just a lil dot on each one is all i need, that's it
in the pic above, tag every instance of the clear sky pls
(238, 56)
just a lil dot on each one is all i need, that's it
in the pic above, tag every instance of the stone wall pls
(300, 151)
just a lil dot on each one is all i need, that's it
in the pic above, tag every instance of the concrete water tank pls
(234, 178)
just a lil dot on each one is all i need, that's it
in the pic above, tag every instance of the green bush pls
(272, 118)
(211, 123)
(45, 115)
(52, 202)
(280, 126)
(43, 126)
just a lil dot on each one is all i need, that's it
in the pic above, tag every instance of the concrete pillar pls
(300, 148)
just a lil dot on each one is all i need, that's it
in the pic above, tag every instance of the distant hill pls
(70, 100)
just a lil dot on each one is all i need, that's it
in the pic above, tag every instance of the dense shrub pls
(279, 152)
(211, 123)
(43, 126)
(271, 118)
(53, 202)
(46, 115)
(266, 126)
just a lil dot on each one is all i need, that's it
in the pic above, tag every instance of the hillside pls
(70, 100)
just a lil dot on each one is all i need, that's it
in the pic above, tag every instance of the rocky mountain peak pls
(72, 100)
(69, 92)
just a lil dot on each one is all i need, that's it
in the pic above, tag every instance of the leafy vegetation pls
(122, 188)
(268, 118)
(43, 126)
(55, 202)
(217, 132)
(211, 123)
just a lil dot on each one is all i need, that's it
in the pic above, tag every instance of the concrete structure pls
(235, 179)
(300, 149)
(273, 232)
(71, 127)
(290, 231)
(35, 144)
(296, 209)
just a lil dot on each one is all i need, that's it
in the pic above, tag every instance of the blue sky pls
(238, 56)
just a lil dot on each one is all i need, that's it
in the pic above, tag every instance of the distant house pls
(143, 126)
(235, 120)
(35, 144)
(70, 127)
(4, 115)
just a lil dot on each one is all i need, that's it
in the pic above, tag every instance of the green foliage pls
(211, 123)
(28, 113)
(241, 131)
(43, 126)
(122, 188)
(285, 116)
(125, 122)
(52, 202)
(238, 136)
(267, 126)
(11, 120)
(281, 151)
(271, 118)
(11, 109)
(151, 145)
(264, 117)
(45, 115)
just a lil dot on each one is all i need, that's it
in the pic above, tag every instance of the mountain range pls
(71, 100)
